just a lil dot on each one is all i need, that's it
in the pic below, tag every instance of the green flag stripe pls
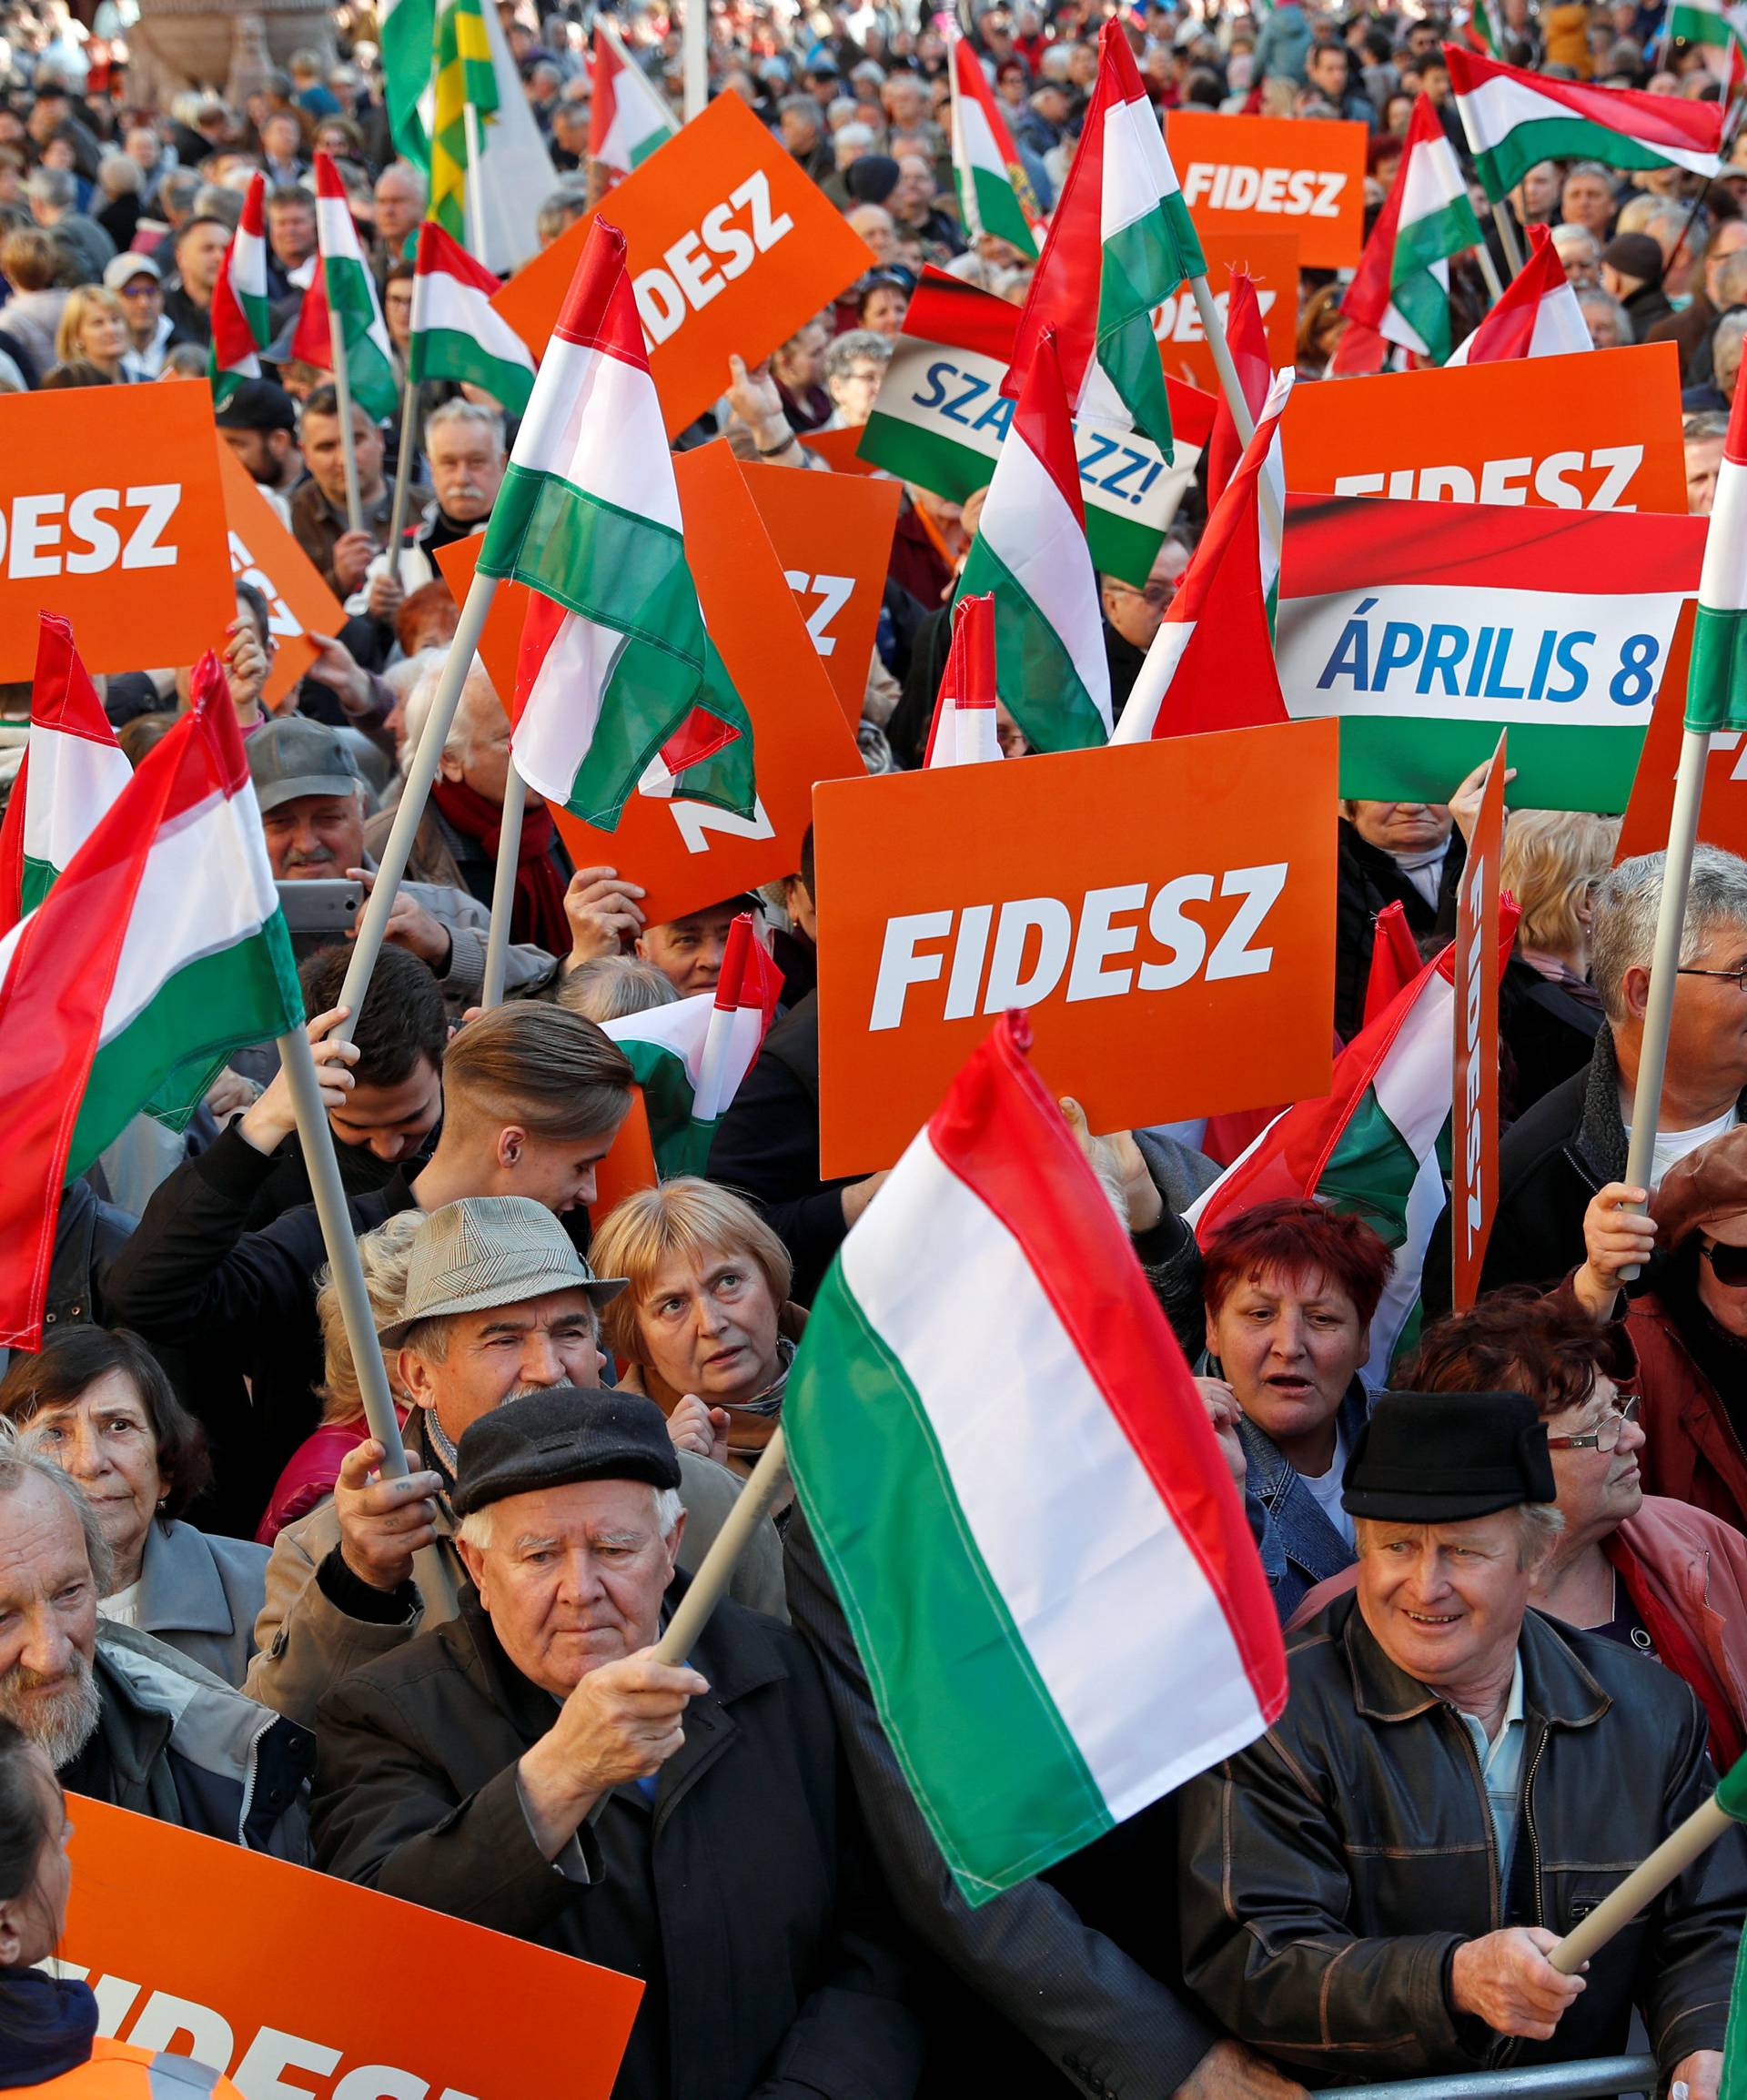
(1141, 266)
(1386, 758)
(878, 1495)
(1424, 304)
(666, 1097)
(1716, 685)
(447, 354)
(1502, 166)
(1034, 673)
(1371, 1171)
(999, 210)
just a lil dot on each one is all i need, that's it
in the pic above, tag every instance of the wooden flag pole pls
(1214, 330)
(706, 1588)
(316, 1139)
(343, 390)
(408, 439)
(1508, 239)
(1640, 1888)
(504, 886)
(1664, 969)
(421, 771)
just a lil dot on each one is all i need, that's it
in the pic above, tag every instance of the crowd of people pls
(1510, 1565)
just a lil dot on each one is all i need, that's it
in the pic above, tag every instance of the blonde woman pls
(313, 1467)
(94, 328)
(706, 1329)
(1549, 1012)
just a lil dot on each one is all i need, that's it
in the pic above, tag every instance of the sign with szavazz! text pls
(1164, 910)
(1426, 628)
(117, 523)
(732, 247)
(1266, 174)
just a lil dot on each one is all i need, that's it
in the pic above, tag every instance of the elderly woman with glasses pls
(1653, 1574)
(1686, 1317)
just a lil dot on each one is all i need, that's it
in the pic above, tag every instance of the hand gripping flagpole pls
(504, 886)
(421, 771)
(316, 1138)
(708, 1585)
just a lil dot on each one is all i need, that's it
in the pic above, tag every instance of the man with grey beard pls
(121, 1717)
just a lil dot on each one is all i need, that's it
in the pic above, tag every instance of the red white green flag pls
(994, 193)
(628, 120)
(351, 298)
(242, 322)
(1538, 316)
(1030, 553)
(72, 774)
(1004, 1589)
(159, 951)
(1716, 686)
(964, 732)
(1401, 287)
(1211, 664)
(1515, 120)
(1719, 32)
(618, 682)
(457, 334)
(1120, 243)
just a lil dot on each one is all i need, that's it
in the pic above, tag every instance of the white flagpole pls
(1489, 269)
(1214, 330)
(343, 391)
(408, 446)
(503, 887)
(472, 197)
(694, 28)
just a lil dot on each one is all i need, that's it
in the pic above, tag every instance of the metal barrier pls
(1593, 2079)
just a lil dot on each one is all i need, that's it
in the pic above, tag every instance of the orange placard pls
(630, 1165)
(832, 534)
(117, 522)
(292, 1982)
(1267, 174)
(1166, 912)
(262, 553)
(1599, 431)
(732, 248)
(684, 854)
(1474, 1179)
(838, 450)
(1272, 259)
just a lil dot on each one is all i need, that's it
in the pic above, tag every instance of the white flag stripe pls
(557, 723)
(1158, 668)
(729, 1049)
(1137, 171)
(1078, 1590)
(1723, 579)
(1493, 110)
(679, 1027)
(1030, 528)
(595, 422)
(445, 302)
(977, 141)
(208, 885)
(1434, 179)
(72, 784)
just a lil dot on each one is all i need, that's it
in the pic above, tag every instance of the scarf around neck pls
(536, 913)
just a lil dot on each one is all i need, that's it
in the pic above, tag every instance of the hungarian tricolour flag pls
(466, 89)
(407, 30)
(1716, 685)
(690, 1056)
(1401, 287)
(1030, 551)
(628, 120)
(72, 771)
(352, 307)
(1481, 32)
(1247, 339)
(159, 951)
(962, 732)
(1064, 1618)
(1515, 120)
(1719, 34)
(1538, 316)
(455, 332)
(242, 322)
(1211, 663)
(1376, 1146)
(1120, 242)
(618, 677)
(994, 193)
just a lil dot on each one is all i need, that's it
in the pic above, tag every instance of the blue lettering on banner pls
(1500, 663)
(1106, 464)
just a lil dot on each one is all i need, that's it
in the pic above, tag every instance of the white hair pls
(1624, 936)
(472, 415)
(479, 1528)
(424, 692)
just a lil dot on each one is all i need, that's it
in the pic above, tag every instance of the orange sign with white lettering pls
(685, 853)
(1599, 431)
(291, 1983)
(832, 534)
(1474, 1174)
(1272, 260)
(1304, 176)
(117, 522)
(262, 553)
(732, 247)
(1165, 911)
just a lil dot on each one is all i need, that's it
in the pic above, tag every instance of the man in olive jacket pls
(1373, 1889)
(531, 1766)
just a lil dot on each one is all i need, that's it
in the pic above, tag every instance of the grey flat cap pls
(294, 756)
(490, 1250)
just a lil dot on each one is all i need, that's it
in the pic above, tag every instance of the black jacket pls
(767, 1147)
(1328, 1874)
(1367, 879)
(744, 1897)
(1550, 1035)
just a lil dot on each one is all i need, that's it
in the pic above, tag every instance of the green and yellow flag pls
(465, 79)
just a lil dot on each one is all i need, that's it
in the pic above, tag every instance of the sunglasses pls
(1728, 1264)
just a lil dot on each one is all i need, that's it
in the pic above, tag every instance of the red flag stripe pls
(1657, 119)
(1043, 421)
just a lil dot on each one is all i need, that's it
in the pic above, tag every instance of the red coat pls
(311, 1473)
(1691, 1450)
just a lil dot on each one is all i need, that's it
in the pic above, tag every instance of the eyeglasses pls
(1738, 977)
(1728, 1264)
(1605, 1435)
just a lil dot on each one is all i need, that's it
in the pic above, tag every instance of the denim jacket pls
(1300, 1547)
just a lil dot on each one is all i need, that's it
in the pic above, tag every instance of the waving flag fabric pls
(242, 322)
(1401, 287)
(408, 31)
(994, 193)
(350, 295)
(1716, 686)
(962, 732)
(1539, 315)
(455, 332)
(628, 120)
(465, 81)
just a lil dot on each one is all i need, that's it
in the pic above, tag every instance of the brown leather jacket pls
(1328, 1872)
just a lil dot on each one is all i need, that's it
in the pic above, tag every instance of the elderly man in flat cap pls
(532, 1767)
(1372, 1889)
